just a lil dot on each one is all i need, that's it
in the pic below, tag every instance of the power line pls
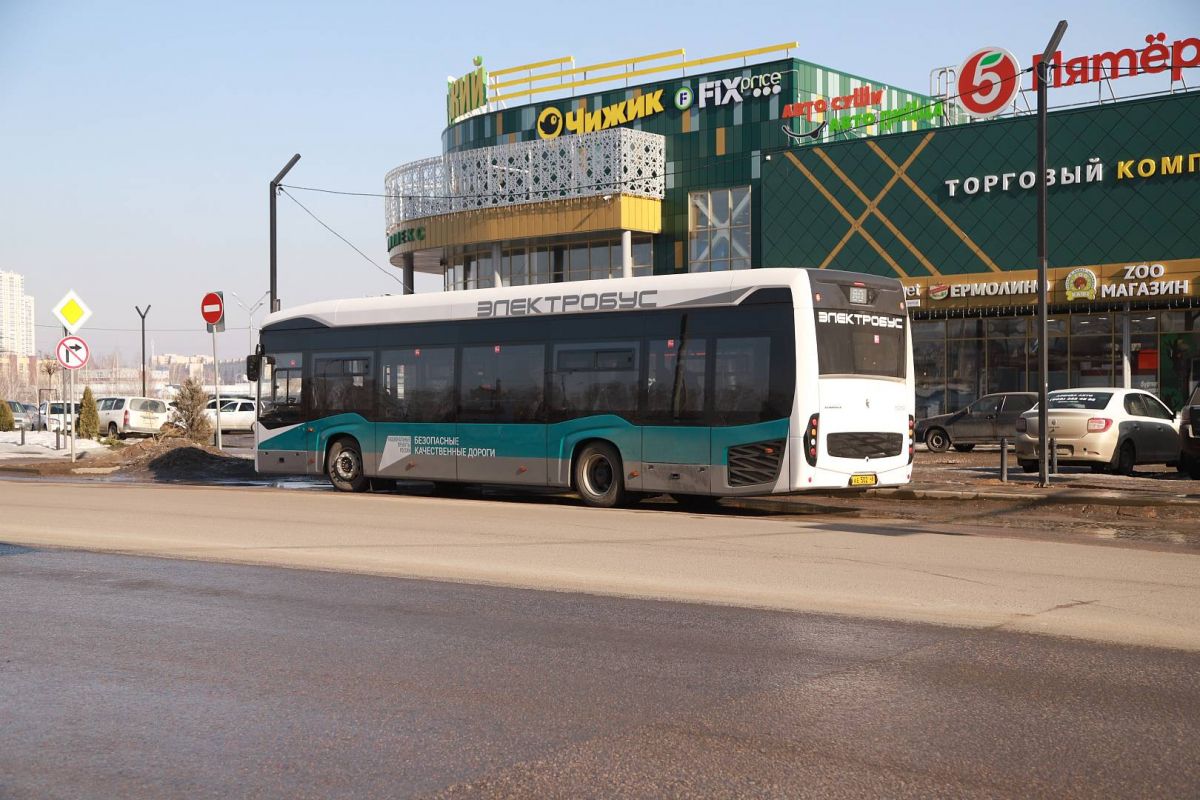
(370, 260)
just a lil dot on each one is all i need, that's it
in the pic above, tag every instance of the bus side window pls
(743, 375)
(594, 378)
(417, 385)
(343, 384)
(503, 383)
(676, 385)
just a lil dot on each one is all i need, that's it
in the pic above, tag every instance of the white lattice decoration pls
(616, 161)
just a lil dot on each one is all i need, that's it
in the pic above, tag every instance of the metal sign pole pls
(74, 425)
(64, 395)
(217, 385)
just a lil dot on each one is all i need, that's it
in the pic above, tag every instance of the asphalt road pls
(135, 677)
(900, 570)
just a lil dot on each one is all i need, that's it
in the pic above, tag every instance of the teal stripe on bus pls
(676, 444)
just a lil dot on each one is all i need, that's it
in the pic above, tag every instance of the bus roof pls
(614, 294)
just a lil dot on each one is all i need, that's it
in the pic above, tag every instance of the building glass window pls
(964, 372)
(579, 264)
(573, 260)
(719, 229)
(1006, 367)
(1143, 363)
(1092, 360)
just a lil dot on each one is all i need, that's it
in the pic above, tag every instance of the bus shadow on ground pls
(731, 507)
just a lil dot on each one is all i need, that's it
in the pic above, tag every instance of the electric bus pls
(697, 385)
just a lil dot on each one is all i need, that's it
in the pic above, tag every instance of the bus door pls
(416, 436)
(501, 428)
(343, 400)
(676, 441)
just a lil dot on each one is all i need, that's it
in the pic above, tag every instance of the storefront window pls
(1092, 360)
(1057, 367)
(1142, 322)
(964, 372)
(1091, 324)
(964, 328)
(1006, 369)
(1179, 361)
(1007, 327)
(1143, 363)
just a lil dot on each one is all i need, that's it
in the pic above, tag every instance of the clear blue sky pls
(137, 139)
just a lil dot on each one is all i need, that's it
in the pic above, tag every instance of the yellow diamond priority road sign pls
(72, 312)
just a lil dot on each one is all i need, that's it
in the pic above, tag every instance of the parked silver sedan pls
(1106, 429)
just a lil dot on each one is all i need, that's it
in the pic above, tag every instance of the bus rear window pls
(860, 343)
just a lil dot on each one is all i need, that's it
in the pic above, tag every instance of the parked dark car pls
(1189, 436)
(983, 422)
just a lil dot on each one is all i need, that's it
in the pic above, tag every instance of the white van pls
(121, 416)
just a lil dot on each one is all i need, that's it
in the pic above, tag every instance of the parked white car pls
(121, 416)
(21, 416)
(1107, 429)
(237, 414)
(52, 416)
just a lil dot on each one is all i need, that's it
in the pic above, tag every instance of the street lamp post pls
(1043, 69)
(274, 191)
(143, 314)
(250, 315)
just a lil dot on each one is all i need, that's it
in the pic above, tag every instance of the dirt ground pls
(167, 459)
(1154, 521)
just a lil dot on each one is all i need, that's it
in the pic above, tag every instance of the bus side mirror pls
(253, 368)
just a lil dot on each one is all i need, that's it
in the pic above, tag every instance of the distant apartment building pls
(16, 317)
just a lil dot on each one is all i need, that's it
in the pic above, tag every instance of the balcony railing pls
(615, 161)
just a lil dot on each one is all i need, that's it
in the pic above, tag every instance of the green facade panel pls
(1124, 216)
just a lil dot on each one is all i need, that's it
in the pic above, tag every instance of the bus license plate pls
(863, 480)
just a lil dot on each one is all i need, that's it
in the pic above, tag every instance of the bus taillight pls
(912, 436)
(810, 440)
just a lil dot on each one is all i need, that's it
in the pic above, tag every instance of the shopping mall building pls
(659, 164)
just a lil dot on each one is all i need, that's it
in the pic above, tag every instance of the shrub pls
(189, 411)
(89, 416)
(7, 423)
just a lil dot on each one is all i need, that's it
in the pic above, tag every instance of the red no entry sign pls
(212, 307)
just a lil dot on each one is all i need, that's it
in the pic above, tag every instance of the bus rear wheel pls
(599, 476)
(345, 467)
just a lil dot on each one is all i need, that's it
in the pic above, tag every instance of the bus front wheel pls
(345, 467)
(599, 478)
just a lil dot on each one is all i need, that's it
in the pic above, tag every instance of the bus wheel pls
(599, 476)
(345, 467)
